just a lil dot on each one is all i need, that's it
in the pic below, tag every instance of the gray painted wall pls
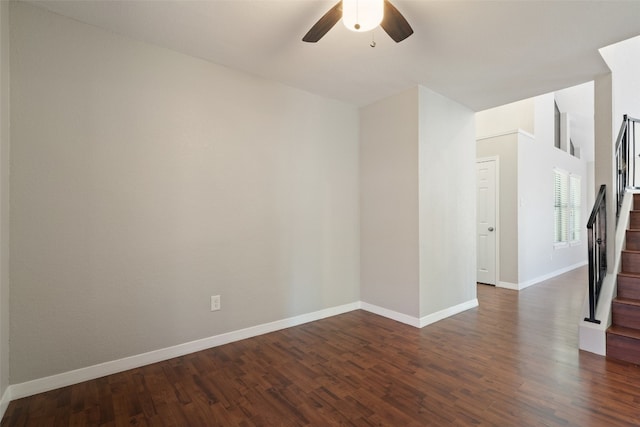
(417, 169)
(505, 147)
(144, 181)
(4, 196)
(389, 203)
(447, 203)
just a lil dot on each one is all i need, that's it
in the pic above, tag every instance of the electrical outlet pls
(215, 302)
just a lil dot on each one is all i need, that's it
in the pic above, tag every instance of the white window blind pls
(567, 206)
(561, 202)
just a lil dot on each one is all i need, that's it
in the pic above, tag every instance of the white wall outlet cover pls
(215, 302)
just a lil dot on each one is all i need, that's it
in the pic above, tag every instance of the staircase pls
(623, 336)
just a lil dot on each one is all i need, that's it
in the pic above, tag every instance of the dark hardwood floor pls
(514, 361)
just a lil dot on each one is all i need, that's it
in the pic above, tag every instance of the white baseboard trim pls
(41, 385)
(508, 285)
(4, 401)
(522, 285)
(419, 322)
(551, 275)
(447, 312)
(390, 314)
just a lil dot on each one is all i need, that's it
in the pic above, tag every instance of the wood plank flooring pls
(511, 362)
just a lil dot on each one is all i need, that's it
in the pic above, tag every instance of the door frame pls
(495, 159)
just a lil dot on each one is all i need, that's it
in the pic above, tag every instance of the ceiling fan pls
(392, 21)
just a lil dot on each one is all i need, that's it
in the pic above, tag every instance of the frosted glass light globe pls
(362, 15)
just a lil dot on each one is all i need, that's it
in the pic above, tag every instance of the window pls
(567, 207)
(556, 122)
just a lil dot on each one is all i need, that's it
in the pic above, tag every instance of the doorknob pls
(490, 228)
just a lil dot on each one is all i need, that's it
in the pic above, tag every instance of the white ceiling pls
(479, 53)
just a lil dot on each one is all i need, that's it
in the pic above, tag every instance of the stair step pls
(634, 219)
(628, 286)
(628, 301)
(631, 261)
(624, 332)
(625, 313)
(623, 336)
(623, 344)
(632, 241)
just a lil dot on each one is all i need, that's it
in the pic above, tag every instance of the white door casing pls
(486, 222)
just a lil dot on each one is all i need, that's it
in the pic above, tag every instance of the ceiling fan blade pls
(394, 23)
(324, 24)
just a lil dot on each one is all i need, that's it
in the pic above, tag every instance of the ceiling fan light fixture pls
(362, 15)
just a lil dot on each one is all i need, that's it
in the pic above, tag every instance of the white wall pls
(579, 102)
(527, 250)
(389, 203)
(144, 181)
(537, 157)
(447, 203)
(506, 118)
(537, 255)
(4, 200)
(624, 62)
(617, 94)
(604, 167)
(544, 111)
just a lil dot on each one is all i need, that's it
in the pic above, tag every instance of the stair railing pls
(597, 246)
(625, 161)
(626, 157)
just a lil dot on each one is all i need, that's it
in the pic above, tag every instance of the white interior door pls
(486, 221)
